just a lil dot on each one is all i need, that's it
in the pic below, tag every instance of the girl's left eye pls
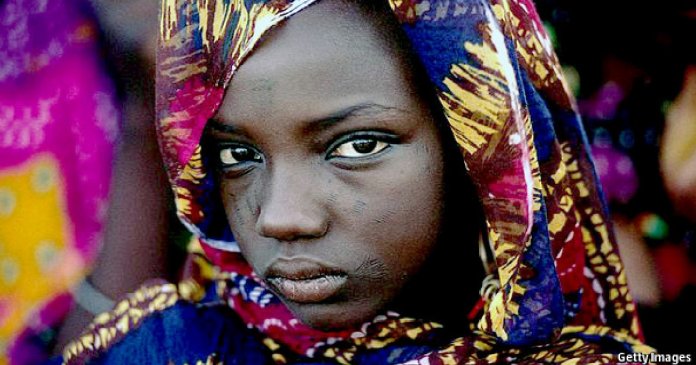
(359, 147)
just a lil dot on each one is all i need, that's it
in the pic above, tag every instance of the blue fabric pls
(188, 333)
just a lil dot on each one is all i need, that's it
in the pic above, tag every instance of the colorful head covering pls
(562, 285)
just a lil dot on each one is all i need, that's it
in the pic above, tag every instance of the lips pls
(303, 280)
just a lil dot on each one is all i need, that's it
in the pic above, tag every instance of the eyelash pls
(381, 143)
(227, 152)
(382, 140)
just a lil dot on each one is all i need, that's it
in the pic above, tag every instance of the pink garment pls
(58, 126)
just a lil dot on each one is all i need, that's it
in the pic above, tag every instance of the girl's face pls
(331, 165)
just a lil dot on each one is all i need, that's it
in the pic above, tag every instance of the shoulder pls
(168, 323)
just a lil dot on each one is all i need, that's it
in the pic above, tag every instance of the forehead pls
(325, 58)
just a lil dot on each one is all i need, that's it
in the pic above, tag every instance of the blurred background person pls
(678, 158)
(58, 128)
(78, 148)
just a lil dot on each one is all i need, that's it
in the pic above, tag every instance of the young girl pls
(343, 163)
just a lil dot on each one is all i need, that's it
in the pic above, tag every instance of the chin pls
(332, 317)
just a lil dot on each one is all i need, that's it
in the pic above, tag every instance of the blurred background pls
(632, 68)
(77, 150)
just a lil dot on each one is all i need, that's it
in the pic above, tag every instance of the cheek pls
(399, 214)
(240, 209)
(238, 205)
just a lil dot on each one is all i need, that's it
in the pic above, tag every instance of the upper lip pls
(301, 268)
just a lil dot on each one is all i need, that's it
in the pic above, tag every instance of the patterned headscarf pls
(562, 284)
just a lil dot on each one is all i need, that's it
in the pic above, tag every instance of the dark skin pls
(329, 150)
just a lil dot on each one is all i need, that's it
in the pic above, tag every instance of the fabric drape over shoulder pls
(563, 292)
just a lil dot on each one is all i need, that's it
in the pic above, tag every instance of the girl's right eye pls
(233, 156)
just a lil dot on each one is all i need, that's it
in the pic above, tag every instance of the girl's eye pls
(359, 148)
(234, 155)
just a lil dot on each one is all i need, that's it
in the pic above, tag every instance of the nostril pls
(290, 226)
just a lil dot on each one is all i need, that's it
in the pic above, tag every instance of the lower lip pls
(312, 290)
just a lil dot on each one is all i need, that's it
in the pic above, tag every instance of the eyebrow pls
(329, 121)
(366, 109)
(219, 126)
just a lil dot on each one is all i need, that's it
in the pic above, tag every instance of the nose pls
(291, 208)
